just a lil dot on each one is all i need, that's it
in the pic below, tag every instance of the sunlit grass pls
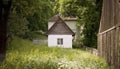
(22, 54)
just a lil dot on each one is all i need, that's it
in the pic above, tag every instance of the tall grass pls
(22, 54)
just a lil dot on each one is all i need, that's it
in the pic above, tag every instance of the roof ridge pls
(65, 29)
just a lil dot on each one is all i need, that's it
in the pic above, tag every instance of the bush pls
(35, 35)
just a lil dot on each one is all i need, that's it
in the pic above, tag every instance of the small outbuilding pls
(59, 34)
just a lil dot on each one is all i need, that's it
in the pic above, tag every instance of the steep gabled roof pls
(60, 28)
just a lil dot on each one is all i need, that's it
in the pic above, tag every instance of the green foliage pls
(27, 16)
(35, 35)
(78, 43)
(18, 23)
(22, 54)
(91, 24)
(88, 15)
(17, 26)
(39, 20)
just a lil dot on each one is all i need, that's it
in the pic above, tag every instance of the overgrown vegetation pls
(22, 54)
(88, 17)
(27, 16)
(36, 35)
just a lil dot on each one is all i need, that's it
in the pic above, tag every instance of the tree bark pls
(4, 12)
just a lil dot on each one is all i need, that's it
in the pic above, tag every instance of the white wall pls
(72, 25)
(67, 40)
(50, 24)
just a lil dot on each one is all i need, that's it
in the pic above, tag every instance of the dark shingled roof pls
(60, 28)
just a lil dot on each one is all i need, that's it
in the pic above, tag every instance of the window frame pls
(59, 41)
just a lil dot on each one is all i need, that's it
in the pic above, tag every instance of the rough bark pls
(4, 12)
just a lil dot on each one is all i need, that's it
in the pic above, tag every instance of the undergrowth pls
(23, 54)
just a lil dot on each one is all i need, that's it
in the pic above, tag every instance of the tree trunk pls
(4, 12)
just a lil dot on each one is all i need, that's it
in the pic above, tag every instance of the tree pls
(88, 16)
(91, 23)
(18, 23)
(17, 26)
(21, 13)
(30, 16)
(4, 12)
(39, 20)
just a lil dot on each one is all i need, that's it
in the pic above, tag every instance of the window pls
(60, 41)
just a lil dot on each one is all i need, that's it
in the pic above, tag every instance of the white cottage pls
(59, 34)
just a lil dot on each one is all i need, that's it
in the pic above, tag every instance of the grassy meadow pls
(23, 54)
